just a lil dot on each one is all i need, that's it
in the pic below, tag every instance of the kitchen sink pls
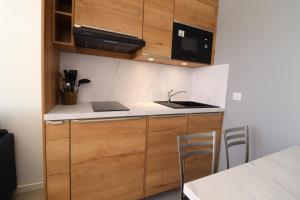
(185, 104)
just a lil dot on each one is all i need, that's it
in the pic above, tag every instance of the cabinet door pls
(195, 13)
(158, 26)
(162, 156)
(58, 160)
(123, 16)
(108, 159)
(200, 166)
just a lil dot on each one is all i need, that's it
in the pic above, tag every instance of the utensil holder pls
(68, 98)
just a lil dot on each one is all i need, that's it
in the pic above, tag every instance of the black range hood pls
(92, 38)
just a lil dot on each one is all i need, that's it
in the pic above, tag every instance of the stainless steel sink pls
(185, 104)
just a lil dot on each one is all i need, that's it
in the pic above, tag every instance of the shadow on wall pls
(237, 153)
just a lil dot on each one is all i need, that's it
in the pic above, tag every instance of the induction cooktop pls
(107, 106)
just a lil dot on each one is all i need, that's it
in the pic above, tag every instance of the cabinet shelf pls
(62, 13)
(62, 28)
(63, 6)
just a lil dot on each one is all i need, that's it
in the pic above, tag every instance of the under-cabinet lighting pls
(184, 63)
(151, 59)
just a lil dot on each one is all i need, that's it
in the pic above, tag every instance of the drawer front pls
(108, 159)
(162, 172)
(204, 122)
(58, 160)
(200, 165)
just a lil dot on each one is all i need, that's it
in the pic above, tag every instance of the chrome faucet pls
(170, 94)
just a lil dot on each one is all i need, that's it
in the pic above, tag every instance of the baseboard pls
(29, 187)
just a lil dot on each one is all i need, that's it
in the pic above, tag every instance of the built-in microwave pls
(191, 44)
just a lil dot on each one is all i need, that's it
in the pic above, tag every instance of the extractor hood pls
(93, 38)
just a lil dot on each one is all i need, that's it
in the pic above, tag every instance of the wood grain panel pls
(50, 63)
(159, 14)
(158, 42)
(215, 37)
(204, 122)
(58, 161)
(200, 166)
(107, 159)
(162, 171)
(211, 2)
(157, 27)
(123, 16)
(195, 13)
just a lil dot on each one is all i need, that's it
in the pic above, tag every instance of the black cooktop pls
(107, 106)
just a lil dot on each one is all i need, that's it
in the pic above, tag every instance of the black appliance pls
(8, 180)
(92, 38)
(191, 44)
(107, 106)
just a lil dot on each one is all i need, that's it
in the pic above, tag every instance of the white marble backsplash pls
(209, 84)
(124, 80)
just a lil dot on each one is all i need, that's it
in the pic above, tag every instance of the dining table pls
(273, 177)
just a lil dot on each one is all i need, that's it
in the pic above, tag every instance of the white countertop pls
(85, 111)
(274, 177)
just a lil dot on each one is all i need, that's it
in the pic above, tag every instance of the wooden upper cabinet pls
(196, 13)
(108, 159)
(122, 16)
(211, 2)
(58, 160)
(162, 171)
(157, 28)
(200, 165)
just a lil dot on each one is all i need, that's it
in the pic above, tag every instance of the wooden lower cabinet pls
(108, 159)
(162, 172)
(200, 165)
(122, 158)
(57, 160)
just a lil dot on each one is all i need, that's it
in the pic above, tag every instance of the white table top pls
(274, 177)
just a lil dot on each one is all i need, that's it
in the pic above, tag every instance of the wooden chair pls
(236, 136)
(186, 142)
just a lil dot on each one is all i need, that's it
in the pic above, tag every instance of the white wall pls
(122, 80)
(260, 40)
(20, 80)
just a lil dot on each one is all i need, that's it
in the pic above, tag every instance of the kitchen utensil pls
(73, 77)
(66, 74)
(61, 82)
(83, 81)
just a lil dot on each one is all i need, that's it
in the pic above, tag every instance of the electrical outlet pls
(237, 96)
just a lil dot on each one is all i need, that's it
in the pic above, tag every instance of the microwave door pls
(191, 44)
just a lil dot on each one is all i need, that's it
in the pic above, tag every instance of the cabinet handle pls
(165, 116)
(106, 119)
(54, 122)
(207, 113)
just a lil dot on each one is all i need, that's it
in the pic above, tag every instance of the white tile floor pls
(171, 195)
(38, 195)
(32, 195)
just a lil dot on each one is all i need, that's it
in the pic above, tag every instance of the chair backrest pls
(236, 136)
(189, 146)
